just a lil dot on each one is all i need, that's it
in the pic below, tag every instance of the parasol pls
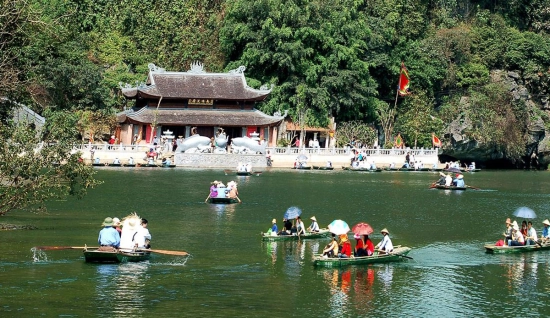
(525, 213)
(338, 227)
(362, 229)
(292, 212)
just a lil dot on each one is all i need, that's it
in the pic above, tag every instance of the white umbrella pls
(525, 213)
(338, 227)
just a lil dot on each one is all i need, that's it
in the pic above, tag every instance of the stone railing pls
(273, 150)
(346, 151)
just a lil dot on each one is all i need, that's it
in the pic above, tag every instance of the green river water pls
(232, 273)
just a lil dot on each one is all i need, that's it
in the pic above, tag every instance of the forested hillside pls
(479, 70)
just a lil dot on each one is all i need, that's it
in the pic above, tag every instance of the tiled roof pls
(194, 117)
(201, 85)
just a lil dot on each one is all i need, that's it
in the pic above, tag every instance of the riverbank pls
(281, 157)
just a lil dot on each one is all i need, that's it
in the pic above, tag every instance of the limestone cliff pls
(532, 94)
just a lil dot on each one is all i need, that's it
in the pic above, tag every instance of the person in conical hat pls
(130, 227)
(314, 227)
(108, 239)
(274, 227)
(385, 246)
(508, 232)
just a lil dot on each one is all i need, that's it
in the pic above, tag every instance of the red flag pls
(403, 88)
(435, 141)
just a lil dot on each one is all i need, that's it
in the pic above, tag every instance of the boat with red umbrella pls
(399, 252)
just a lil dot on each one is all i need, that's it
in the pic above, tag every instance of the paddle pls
(236, 197)
(433, 185)
(55, 248)
(207, 198)
(405, 256)
(228, 171)
(472, 187)
(166, 252)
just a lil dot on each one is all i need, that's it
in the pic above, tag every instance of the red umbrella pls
(362, 229)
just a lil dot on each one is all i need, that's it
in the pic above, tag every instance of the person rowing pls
(314, 227)
(386, 245)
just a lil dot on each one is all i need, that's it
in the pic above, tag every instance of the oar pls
(227, 171)
(405, 256)
(207, 198)
(472, 187)
(433, 185)
(238, 199)
(55, 248)
(166, 252)
(257, 173)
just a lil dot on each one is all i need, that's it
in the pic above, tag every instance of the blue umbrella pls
(525, 213)
(292, 212)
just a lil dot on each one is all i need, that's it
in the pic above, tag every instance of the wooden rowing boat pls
(444, 187)
(243, 173)
(398, 254)
(493, 249)
(309, 235)
(92, 255)
(223, 200)
(322, 168)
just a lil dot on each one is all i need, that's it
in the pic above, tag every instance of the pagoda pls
(178, 101)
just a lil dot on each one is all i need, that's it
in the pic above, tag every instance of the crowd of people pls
(526, 235)
(340, 246)
(129, 235)
(360, 160)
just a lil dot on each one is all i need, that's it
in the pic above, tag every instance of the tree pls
(39, 165)
(417, 120)
(322, 46)
(354, 130)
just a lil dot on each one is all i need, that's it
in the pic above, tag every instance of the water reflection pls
(339, 292)
(120, 288)
(227, 210)
(385, 275)
(521, 276)
(350, 286)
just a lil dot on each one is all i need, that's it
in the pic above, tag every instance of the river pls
(232, 273)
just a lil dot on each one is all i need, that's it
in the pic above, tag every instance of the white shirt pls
(448, 180)
(386, 244)
(314, 227)
(130, 238)
(300, 228)
(532, 233)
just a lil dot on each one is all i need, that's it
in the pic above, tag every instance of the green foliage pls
(38, 165)
(327, 58)
(417, 121)
(315, 45)
(354, 131)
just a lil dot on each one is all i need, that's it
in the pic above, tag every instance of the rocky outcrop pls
(537, 145)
